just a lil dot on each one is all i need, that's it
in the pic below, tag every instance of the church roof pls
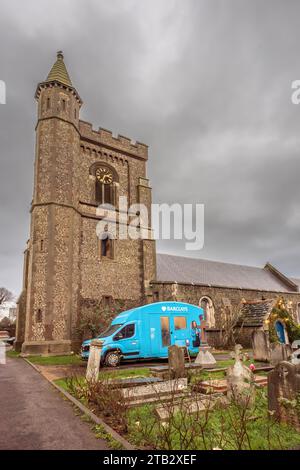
(59, 71)
(255, 313)
(185, 270)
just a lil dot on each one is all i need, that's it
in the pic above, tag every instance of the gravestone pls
(279, 352)
(261, 346)
(93, 365)
(176, 362)
(204, 357)
(295, 358)
(284, 393)
(240, 380)
(155, 392)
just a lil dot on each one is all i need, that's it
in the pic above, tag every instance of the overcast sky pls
(205, 83)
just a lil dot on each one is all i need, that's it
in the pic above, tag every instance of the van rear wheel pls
(112, 359)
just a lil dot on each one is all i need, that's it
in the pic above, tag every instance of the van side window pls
(126, 332)
(180, 323)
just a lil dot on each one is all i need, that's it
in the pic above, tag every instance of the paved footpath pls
(33, 415)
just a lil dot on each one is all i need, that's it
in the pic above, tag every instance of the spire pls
(59, 72)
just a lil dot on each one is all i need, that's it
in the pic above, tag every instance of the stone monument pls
(176, 362)
(240, 380)
(284, 393)
(93, 365)
(204, 357)
(261, 346)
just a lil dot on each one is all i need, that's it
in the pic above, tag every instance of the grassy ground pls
(228, 428)
(55, 360)
(114, 374)
(12, 353)
(223, 429)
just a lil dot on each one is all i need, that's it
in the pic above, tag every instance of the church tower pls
(52, 268)
(68, 269)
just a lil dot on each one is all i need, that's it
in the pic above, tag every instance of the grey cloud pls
(205, 83)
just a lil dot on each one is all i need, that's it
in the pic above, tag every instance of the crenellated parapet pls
(106, 138)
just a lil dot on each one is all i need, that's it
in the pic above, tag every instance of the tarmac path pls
(33, 415)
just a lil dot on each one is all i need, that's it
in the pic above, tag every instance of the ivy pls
(280, 312)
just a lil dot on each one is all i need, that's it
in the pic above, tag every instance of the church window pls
(64, 105)
(209, 312)
(106, 246)
(39, 316)
(107, 300)
(48, 103)
(42, 245)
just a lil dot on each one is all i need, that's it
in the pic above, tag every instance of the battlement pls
(119, 142)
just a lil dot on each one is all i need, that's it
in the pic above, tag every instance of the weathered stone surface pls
(205, 357)
(167, 387)
(284, 393)
(261, 346)
(279, 352)
(240, 380)
(93, 365)
(189, 405)
(176, 362)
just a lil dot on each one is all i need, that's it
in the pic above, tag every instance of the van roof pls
(159, 307)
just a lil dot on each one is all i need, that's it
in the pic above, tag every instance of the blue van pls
(146, 332)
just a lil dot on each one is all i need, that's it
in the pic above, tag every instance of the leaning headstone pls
(176, 362)
(261, 346)
(240, 380)
(93, 365)
(2, 353)
(279, 352)
(284, 393)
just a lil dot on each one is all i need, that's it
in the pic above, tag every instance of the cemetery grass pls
(114, 374)
(225, 429)
(56, 360)
(232, 427)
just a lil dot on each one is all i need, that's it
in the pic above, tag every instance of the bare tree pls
(5, 296)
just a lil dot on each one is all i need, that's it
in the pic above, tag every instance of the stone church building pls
(68, 269)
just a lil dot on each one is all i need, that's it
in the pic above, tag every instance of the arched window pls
(209, 312)
(105, 184)
(106, 247)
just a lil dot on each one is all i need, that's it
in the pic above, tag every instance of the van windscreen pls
(110, 331)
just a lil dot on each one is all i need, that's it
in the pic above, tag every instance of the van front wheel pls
(112, 359)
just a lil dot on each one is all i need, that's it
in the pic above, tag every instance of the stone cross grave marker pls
(240, 379)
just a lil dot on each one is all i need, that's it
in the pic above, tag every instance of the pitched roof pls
(213, 273)
(59, 71)
(254, 313)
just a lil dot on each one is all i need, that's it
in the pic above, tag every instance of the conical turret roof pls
(59, 71)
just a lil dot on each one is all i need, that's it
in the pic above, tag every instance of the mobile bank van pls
(146, 332)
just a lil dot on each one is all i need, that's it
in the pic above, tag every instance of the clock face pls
(104, 175)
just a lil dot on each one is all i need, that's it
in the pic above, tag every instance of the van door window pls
(126, 332)
(180, 323)
(165, 331)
